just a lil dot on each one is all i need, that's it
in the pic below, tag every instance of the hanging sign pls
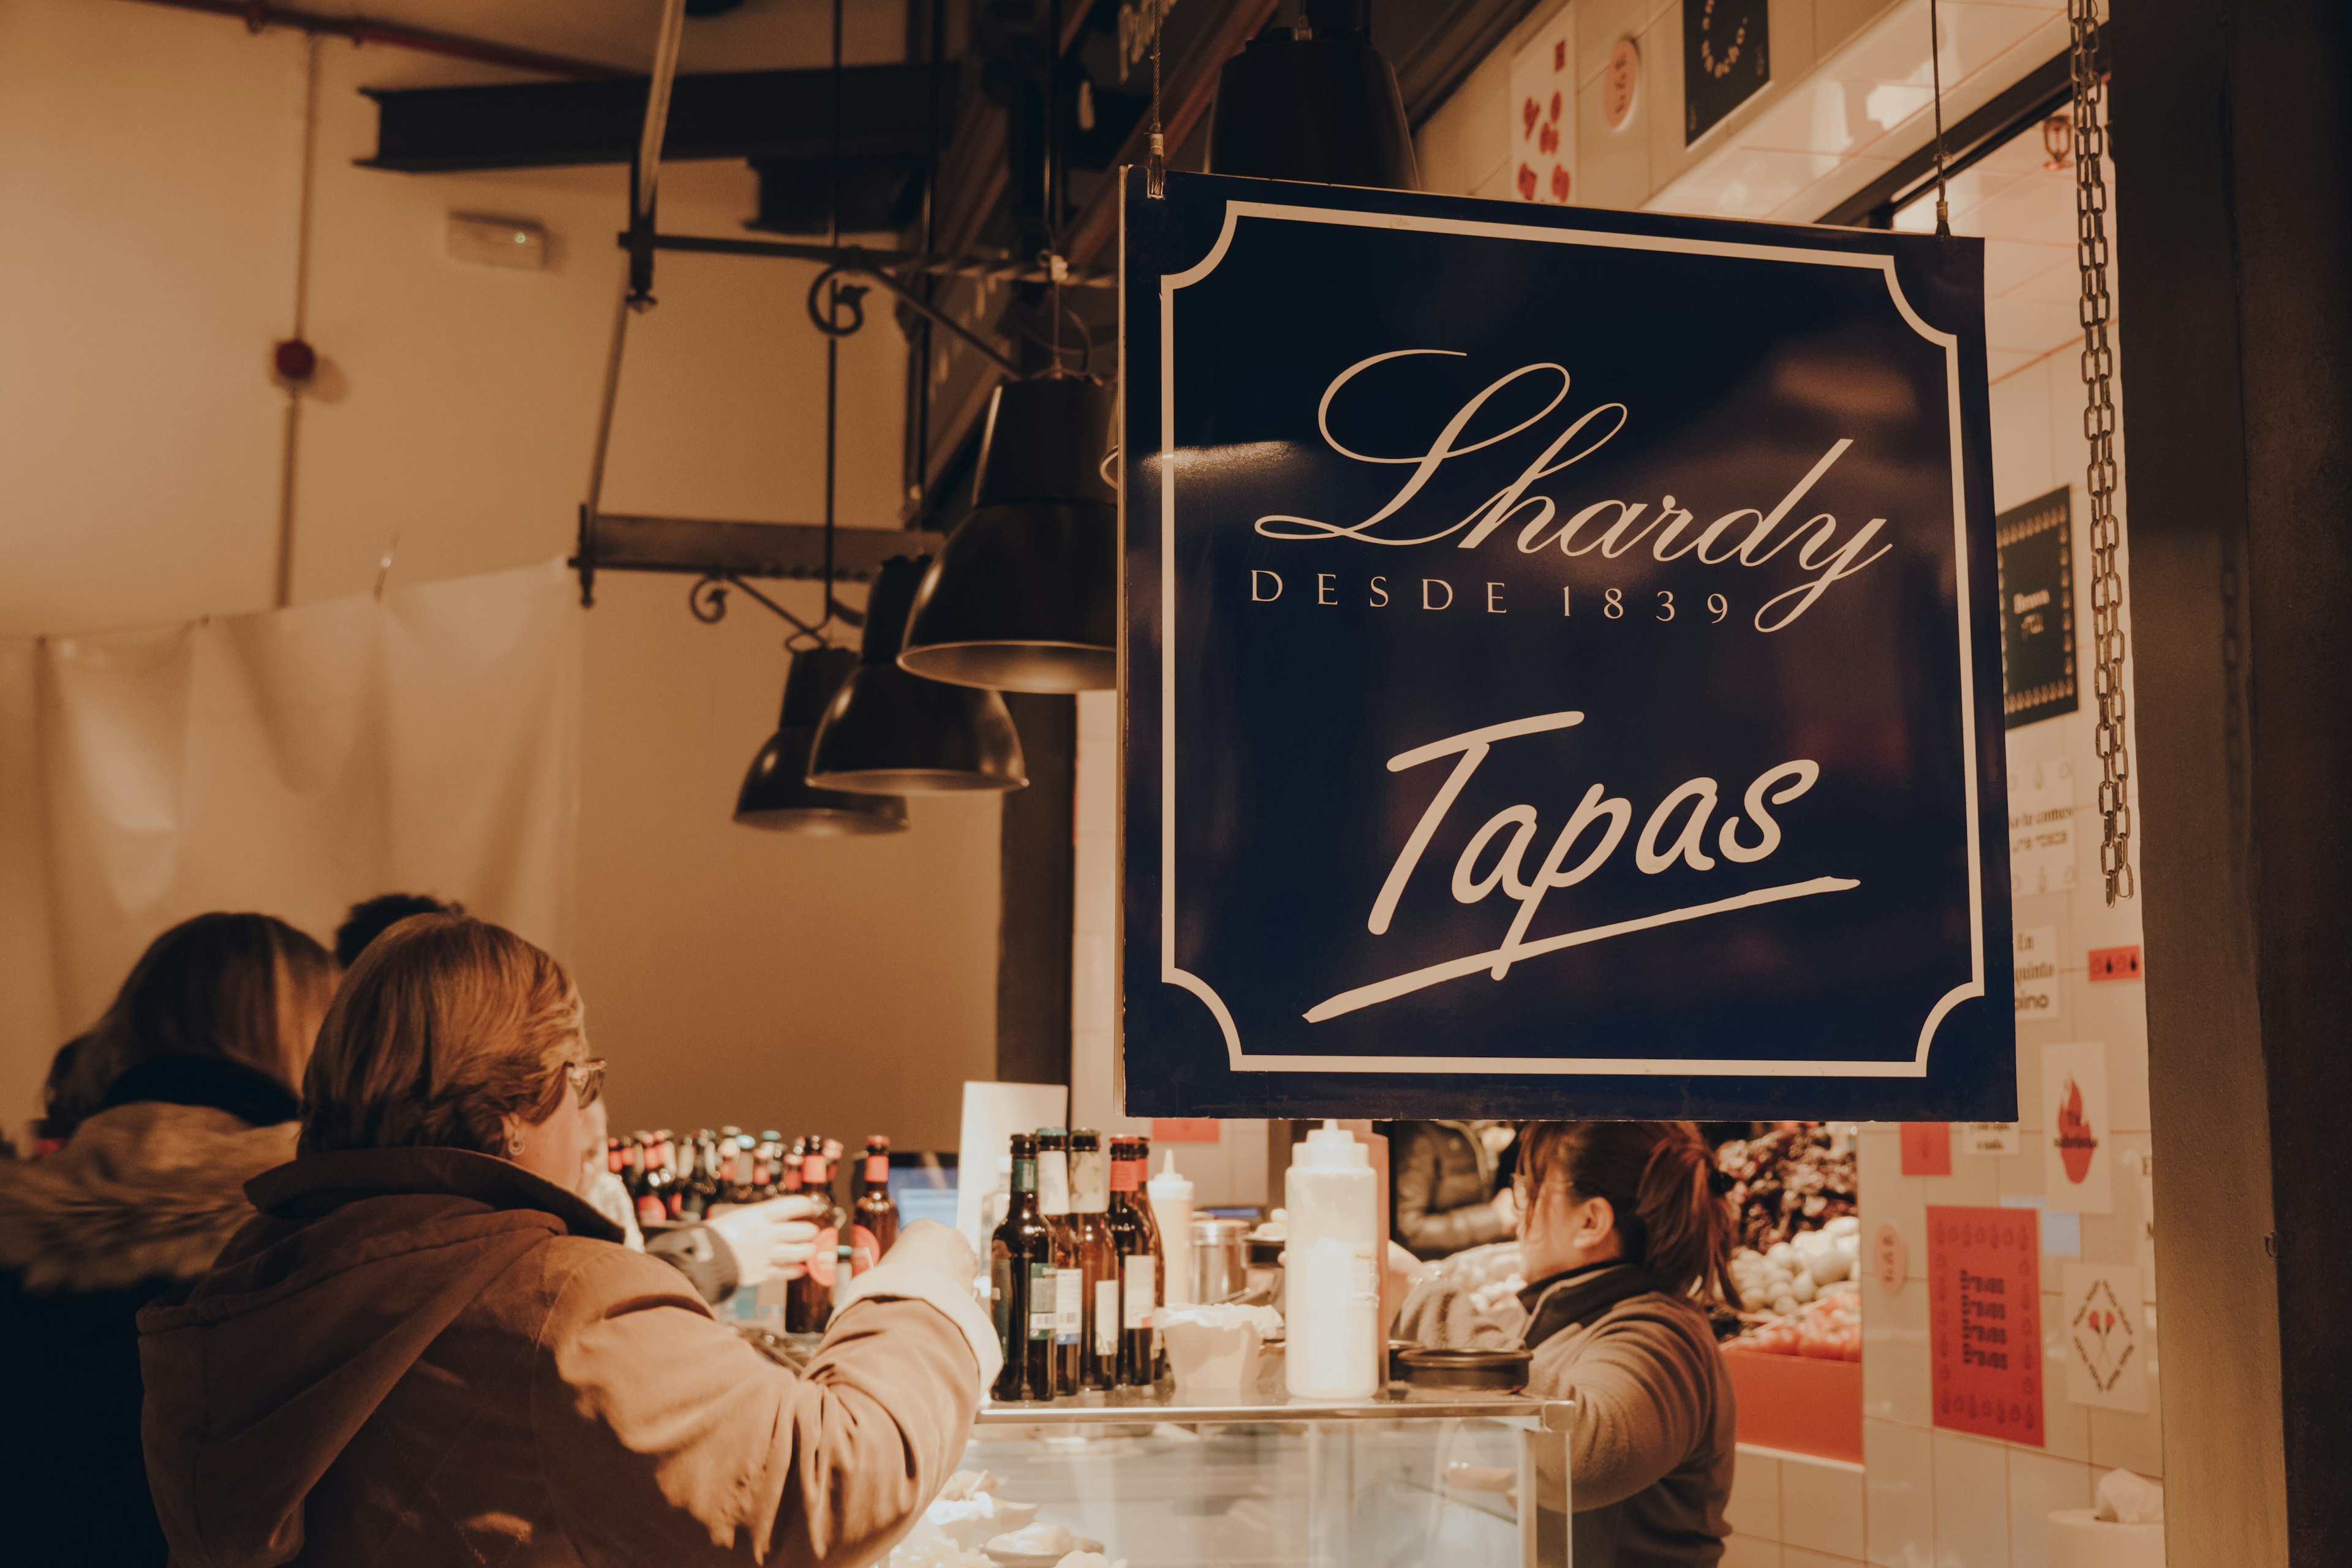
(1562, 665)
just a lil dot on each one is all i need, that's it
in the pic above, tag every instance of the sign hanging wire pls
(1935, 70)
(1155, 169)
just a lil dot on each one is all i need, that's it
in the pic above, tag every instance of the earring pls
(514, 1143)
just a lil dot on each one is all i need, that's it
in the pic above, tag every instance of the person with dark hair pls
(182, 1092)
(1448, 1190)
(370, 918)
(428, 1350)
(1625, 1235)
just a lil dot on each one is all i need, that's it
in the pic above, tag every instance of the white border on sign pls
(1242, 1061)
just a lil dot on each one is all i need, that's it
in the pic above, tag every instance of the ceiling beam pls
(758, 115)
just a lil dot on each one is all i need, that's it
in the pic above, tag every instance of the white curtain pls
(292, 763)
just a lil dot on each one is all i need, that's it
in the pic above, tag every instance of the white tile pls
(2022, 466)
(1598, 25)
(1791, 25)
(1612, 167)
(2123, 1441)
(1899, 1491)
(1821, 1509)
(1972, 1184)
(2039, 1485)
(1971, 1502)
(1749, 1551)
(2127, 1056)
(1742, 181)
(1662, 41)
(1895, 1379)
(1755, 1506)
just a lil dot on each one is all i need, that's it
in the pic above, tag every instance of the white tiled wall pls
(1849, 98)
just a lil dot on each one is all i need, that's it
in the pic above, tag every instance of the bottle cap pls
(1170, 1182)
(1331, 1147)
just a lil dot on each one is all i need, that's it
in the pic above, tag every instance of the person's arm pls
(664, 1436)
(1642, 1395)
(1436, 1233)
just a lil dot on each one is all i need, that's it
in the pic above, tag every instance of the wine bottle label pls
(1024, 1175)
(1089, 1185)
(1000, 1304)
(877, 1170)
(1044, 1288)
(1106, 1317)
(1142, 1279)
(865, 1250)
(1125, 1175)
(1054, 1181)
(650, 1210)
(1069, 1306)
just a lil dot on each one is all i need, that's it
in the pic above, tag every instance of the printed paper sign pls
(1543, 113)
(2042, 829)
(2038, 995)
(1984, 1322)
(1991, 1138)
(1550, 688)
(2076, 1166)
(1927, 1148)
(2106, 1354)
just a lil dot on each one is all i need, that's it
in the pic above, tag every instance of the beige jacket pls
(427, 1357)
(1653, 1446)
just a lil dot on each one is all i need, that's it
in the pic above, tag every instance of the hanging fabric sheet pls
(289, 761)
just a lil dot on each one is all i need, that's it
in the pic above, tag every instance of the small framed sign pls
(2036, 543)
(1562, 670)
(1726, 59)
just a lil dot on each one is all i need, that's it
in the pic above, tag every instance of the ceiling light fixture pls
(776, 794)
(1026, 595)
(1316, 102)
(888, 731)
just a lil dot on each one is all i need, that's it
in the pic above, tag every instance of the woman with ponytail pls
(1625, 1237)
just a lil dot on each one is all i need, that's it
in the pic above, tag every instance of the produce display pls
(1827, 1328)
(1793, 1272)
(1791, 1180)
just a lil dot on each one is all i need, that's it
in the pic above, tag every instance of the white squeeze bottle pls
(1332, 1273)
(1171, 1195)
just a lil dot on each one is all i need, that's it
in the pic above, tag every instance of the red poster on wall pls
(1927, 1148)
(1984, 1321)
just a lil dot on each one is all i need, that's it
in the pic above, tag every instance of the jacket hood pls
(257, 1380)
(143, 1192)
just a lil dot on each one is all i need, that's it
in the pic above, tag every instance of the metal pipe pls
(863, 259)
(257, 14)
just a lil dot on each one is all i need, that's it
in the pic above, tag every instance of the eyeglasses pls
(587, 1079)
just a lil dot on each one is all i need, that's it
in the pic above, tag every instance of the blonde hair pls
(245, 988)
(444, 1026)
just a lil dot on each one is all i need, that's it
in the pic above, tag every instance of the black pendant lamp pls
(1025, 597)
(1318, 103)
(776, 794)
(888, 731)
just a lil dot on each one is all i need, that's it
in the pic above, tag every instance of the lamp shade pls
(1025, 597)
(888, 731)
(1323, 109)
(776, 794)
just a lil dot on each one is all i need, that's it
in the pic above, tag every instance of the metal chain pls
(2099, 431)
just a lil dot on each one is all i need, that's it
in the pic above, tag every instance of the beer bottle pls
(876, 1217)
(1139, 1267)
(1163, 1250)
(1069, 1282)
(1022, 1285)
(1097, 1256)
(654, 1186)
(808, 1305)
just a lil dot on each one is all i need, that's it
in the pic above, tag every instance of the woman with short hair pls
(1625, 1234)
(177, 1096)
(428, 1350)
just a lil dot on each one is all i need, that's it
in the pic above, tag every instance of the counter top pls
(1113, 1410)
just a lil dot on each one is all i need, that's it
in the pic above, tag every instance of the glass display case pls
(1264, 1482)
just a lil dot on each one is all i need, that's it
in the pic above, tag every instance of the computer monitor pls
(923, 1186)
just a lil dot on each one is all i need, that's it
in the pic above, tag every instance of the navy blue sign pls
(1563, 664)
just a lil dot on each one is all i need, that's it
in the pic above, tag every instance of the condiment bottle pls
(1332, 1271)
(1171, 1194)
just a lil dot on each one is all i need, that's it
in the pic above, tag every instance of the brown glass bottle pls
(1069, 1289)
(808, 1303)
(1139, 1267)
(655, 1186)
(1021, 1284)
(1163, 1247)
(875, 1216)
(1097, 1260)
